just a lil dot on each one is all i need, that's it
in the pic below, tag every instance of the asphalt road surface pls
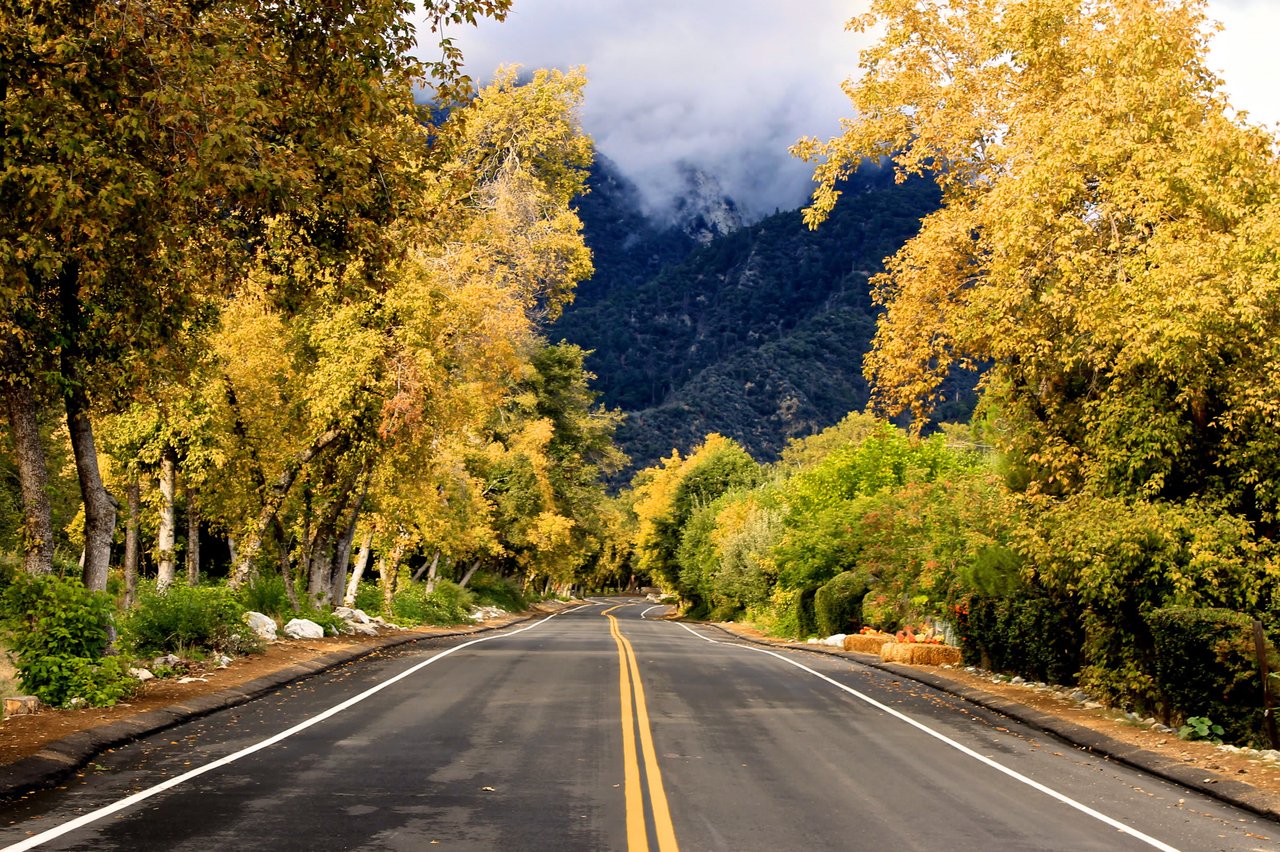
(604, 728)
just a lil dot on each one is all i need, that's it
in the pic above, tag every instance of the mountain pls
(700, 324)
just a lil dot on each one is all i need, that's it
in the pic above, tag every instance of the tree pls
(1106, 244)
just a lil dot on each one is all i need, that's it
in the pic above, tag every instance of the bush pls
(448, 604)
(1207, 667)
(837, 606)
(502, 592)
(369, 598)
(59, 632)
(265, 593)
(1027, 634)
(206, 618)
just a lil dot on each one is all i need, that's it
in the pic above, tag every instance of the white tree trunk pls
(168, 521)
(357, 574)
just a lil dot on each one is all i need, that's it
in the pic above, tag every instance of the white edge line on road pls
(652, 608)
(94, 816)
(999, 767)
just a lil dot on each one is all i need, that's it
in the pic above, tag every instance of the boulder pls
(355, 616)
(168, 661)
(263, 626)
(836, 640)
(302, 628)
(142, 675)
(362, 629)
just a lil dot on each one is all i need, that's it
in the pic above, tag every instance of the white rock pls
(143, 675)
(362, 629)
(193, 680)
(813, 640)
(358, 616)
(263, 626)
(1018, 679)
(302, 628)
(168, 661)
(836, 640)
(222, 660)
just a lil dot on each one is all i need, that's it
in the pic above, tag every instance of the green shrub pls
(1027, 634)
(448, 604)
(1207, 667)
(206, 618)
(265, 593)
(502, 592)
(369, 598)
(837, 606)
(59, 631)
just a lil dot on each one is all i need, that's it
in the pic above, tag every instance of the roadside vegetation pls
(1107, 254)
(273, 332)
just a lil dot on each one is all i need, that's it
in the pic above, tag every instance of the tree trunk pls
(168, 535)
(338, 580)
(427, 567)
(471, 572)
(132, 543)
(193, 538)
(271, 504)
(433, 576)
(33, 478)
(99, 506)
(362, 562)
(388, 569)
(286, 569)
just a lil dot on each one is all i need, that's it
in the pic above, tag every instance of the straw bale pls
(866, 643)
(919, 654)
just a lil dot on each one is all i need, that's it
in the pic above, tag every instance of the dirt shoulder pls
(37, 749)
(1235, 777)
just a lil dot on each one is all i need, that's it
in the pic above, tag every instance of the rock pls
(77, 702)
(263, 626)
(1079, 696)
(836, 640)
(355, 616)
(1150, 721)
(1093, 705)
(1162, 729)
(143, 675)
(222, 661)
(362, 629)
(1018, 679)
(168, 661)
(302, 628)
(21, 705)
(193, 680)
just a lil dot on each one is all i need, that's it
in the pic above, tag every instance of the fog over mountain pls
(724, 86)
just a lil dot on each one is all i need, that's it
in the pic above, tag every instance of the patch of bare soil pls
(22, 736)
(1202, 755)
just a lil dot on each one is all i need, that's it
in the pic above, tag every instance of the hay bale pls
(866, 643)
(935, 655)
(919, 654)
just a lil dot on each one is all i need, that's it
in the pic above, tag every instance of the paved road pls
(603, 729)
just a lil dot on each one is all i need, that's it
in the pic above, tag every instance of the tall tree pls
(1107, 241)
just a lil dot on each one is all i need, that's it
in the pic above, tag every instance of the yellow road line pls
(663, 827)
(637, 834)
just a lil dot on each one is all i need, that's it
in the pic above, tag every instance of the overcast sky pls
(727, 85)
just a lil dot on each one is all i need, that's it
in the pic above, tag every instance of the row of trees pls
(257, 283)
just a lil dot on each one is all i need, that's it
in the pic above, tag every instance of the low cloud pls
(727, 85)
(722, 85)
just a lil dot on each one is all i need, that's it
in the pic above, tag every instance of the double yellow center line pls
(635, 716)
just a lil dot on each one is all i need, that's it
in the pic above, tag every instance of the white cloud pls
(727, 85)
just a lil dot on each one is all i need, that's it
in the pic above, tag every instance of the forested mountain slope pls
(758, 334)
